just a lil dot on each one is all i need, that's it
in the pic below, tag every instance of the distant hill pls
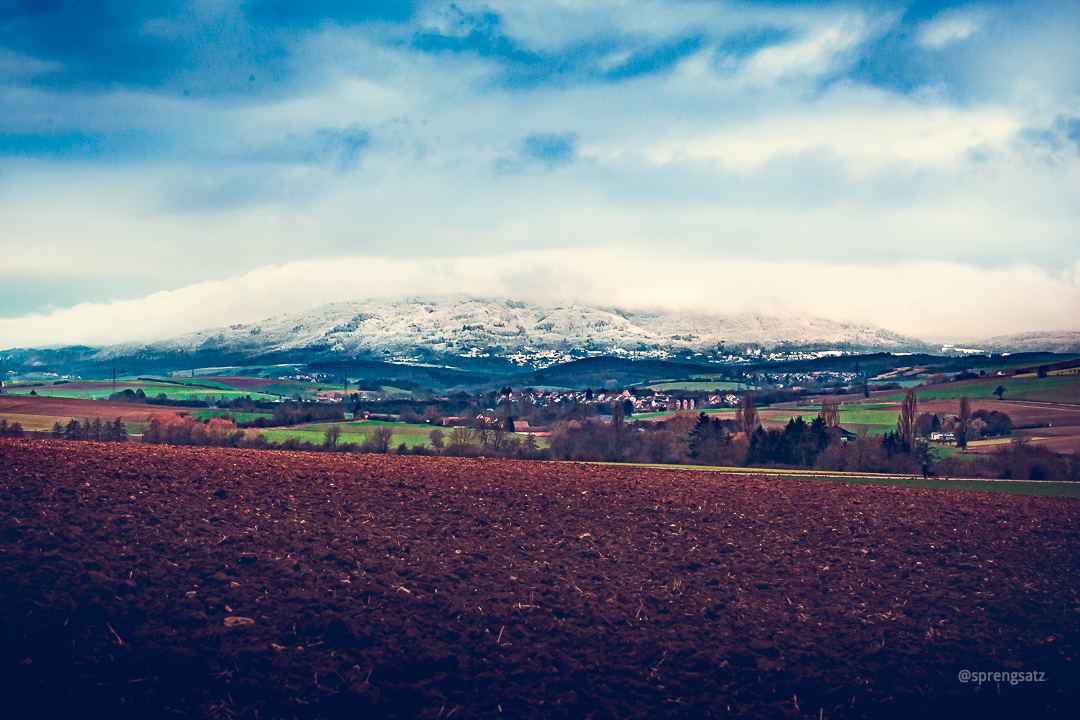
(1055, 342)
(529, 335)
(600, 371)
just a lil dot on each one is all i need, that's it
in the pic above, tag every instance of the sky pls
(167, 167)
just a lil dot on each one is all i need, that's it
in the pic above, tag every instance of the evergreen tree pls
(118, 431)
(73, 430)
(707, 440)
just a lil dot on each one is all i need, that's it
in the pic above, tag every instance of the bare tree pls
(380, 439)
(830, 413)
(331, 436)
(905, 425)
(437, 439)
(661, 446)
(747, 415)
(498, 434)
(960, 433)
(965, 409)
(460, 438)
(963, 420)
(483, 430)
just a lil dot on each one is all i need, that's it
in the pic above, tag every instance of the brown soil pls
(1061, 444)
(375, 586)
(79, 408)
(1021, 413)
(240, 383)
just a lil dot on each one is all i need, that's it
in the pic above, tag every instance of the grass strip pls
(1011, 487)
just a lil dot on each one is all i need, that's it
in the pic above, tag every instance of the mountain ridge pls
(419, 329)
(1062, 341)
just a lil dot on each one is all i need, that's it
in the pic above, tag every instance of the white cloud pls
(814, 54)
(934, 300)
(866, 129)
(15, 65)
(949, 26)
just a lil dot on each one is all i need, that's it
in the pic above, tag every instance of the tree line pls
(15, 429)
(685, 438)
(95, 430)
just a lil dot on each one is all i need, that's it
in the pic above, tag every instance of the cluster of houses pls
(658, 402)
(313, 377)
(800, 380)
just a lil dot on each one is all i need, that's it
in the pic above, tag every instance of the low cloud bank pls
(936, 301)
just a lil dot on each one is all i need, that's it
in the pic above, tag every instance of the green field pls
(277, 388)
(234, 416)
(1056, 388)
(696, 386)
(853, 417)
(358, 432)
(860, 415)
(317, 437)
(1013, 487)
(102, 390)
(673, 413)
(352, 432)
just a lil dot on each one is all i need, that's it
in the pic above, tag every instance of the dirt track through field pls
(143, 581)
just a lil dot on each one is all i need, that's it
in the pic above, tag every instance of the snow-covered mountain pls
(1057, 342)
(528, 333)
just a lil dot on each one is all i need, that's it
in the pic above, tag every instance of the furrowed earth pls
(149, 581)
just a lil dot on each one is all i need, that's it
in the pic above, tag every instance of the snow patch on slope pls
(460, 325)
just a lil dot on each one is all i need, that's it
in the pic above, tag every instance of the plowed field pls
(147, 581)
(52, 409)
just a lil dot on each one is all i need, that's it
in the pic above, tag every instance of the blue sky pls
(167, 166)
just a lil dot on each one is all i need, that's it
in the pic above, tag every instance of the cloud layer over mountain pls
(911, 165)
